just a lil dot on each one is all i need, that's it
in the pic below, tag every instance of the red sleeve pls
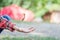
(10, 26)
(7, 25)
(2, 24)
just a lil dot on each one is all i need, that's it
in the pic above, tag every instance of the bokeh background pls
(39, 7)
(44, 30)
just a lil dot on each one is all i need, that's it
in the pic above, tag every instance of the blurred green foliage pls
(29, 38)
(37, 6)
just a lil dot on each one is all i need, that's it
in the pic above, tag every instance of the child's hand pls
(24, 30)
(29, 30)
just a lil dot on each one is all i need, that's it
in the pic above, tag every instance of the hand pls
(29, 30)
(24, 30)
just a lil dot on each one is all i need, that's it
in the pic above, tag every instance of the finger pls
(31, 28)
